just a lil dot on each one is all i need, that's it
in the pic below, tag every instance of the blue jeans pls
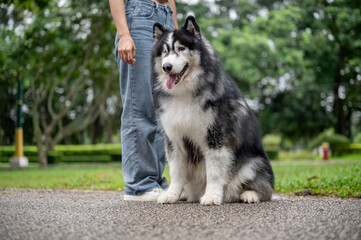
(143, 155)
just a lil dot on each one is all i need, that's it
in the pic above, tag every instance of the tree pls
(334, 53)
(297, 114)
(70, 78)
(12, 65)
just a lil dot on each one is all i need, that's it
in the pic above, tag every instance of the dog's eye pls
(181, 49)
(165, 51)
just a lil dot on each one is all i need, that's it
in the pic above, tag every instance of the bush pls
(69, 153)
(355, 148)
(272, 141)
(339, 144)
(297, 155)
(272, 145)
(8, 151)
(99, 149)
(272, 153)
(357, 138)
(79, 159)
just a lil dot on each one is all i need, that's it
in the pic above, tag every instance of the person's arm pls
(126, 47)
(174, 9)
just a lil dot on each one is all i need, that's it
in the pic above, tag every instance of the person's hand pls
(126, 49)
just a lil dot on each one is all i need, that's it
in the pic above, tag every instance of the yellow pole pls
(19, 160)
(19, 150)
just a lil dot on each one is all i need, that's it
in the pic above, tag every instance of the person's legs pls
(143, 158)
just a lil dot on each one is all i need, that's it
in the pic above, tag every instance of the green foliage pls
(338, 143)
(271, 140)
(8, 151)
(356, 149)
(70, 153)
(272, 145)
(64, 54)
(357, 138)
(355, 146)
(272, 153)
(333, 34)
(98, 149)
(85, 158)
(286, 144)
(297, 114)
(297, 156)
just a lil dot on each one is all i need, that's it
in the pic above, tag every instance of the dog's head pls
(176, 53)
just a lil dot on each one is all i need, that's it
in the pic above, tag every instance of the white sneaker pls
(152, 195)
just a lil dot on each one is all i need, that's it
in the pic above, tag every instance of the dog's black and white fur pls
(213, 141)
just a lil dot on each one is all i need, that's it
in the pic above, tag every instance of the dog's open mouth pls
(173, 79)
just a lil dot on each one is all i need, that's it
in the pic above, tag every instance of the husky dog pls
(212, 138)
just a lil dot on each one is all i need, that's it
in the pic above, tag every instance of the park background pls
(298, 64)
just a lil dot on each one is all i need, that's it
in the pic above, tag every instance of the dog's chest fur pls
(184, 117)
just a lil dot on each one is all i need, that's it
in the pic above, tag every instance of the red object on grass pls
(325, 148)
(325, 154)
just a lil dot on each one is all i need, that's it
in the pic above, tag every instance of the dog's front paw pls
(168, 197)
(249, 197)
(211, 199)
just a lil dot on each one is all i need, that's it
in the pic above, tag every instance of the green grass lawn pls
(64, 178)
(347, 157)
(336, 180)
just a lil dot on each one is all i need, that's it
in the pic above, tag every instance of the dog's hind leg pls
(249, 197)
(260, 189)
(255, 180)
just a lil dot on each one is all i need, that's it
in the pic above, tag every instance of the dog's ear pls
(191, 26)
(158, 31)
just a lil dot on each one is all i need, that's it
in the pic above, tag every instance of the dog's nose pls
(167, 67)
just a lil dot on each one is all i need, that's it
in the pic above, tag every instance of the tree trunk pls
(43, 158)
(67, 140)
(95, 131)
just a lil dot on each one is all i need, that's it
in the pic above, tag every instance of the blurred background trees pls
(63, 51)
(297, 63)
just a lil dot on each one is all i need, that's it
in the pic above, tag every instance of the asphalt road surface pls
(68, 214)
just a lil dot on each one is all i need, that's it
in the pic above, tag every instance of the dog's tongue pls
(171, 80)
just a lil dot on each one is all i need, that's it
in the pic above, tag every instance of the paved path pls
(67, 214)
